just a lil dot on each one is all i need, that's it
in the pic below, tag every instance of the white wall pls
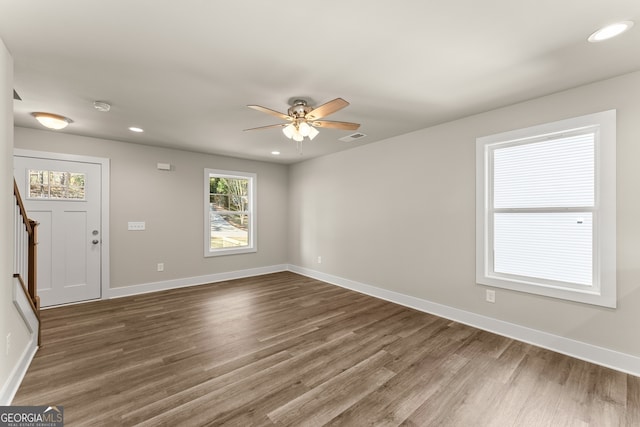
(12, 359)
(171, 204)
(400, 215)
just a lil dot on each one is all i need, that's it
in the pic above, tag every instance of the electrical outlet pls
(491, 296)
(161, 266)
(319, 259)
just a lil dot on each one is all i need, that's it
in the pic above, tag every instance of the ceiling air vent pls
(352, 137)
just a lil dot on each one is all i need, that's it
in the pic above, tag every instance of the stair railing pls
(25, 258)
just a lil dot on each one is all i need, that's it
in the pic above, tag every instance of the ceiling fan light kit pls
(304, 119)
(297, 131)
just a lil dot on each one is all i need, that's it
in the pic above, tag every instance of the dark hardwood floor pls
(286, 350)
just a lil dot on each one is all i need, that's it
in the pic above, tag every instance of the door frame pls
(104, 202)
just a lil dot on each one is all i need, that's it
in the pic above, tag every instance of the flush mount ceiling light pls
(52, 121)
(610, 31)
(136, 129)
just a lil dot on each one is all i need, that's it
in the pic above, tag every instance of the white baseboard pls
(192, 281)
(580, 350)
(10, 387)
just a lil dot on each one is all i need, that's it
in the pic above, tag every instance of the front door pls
(65, 198)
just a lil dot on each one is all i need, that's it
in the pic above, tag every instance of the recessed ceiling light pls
(610, 31)
(136, 129)
(275, 153)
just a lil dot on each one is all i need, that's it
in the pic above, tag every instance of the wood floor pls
(287, 350)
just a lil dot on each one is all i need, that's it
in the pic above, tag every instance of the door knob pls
(95, 241)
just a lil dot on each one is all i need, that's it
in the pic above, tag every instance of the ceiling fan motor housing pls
(299, 108)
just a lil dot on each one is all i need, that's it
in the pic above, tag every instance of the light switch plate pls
(136, 225)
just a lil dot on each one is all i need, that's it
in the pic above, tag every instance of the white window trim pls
(604, 261)
(252, 190)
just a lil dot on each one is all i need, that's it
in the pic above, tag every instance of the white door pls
(64, 197)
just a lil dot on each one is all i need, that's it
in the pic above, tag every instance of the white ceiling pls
(185, 70)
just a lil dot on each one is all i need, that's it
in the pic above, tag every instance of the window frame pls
(252, 245)
(602, 292)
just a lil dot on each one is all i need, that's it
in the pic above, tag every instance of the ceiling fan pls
(302, 119)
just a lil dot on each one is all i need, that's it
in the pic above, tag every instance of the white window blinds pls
(546, 174)
(551, 246)
(543, 202)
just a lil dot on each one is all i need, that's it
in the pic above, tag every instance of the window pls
(56, 185)
(545, 209)
(229, 211)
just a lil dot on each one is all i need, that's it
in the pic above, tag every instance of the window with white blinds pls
(545, 217)
(543, 197)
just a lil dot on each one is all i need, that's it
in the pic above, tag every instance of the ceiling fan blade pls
(270, 111)
(269, 126)
(335, 125)
(326, 109)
